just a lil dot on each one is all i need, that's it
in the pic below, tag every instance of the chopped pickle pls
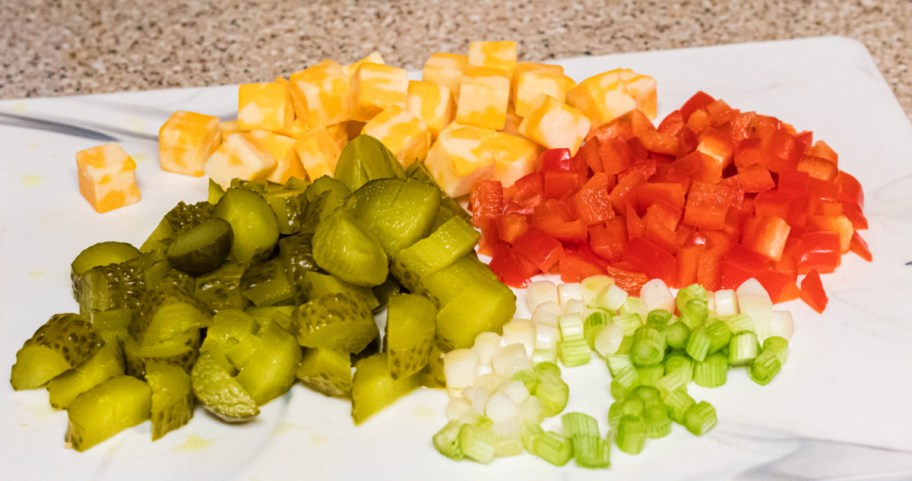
(111, 286)
(228, 328)
(418, 171)
(397, 212)
(201, 248)
(447, 283)
(215, 192)
(183, 216)
(343, 249)
(266, 283)
(63, 342)
(172, 397)
(221, 289)
(325, 185)
(323, 204)
(432, 375)
(107, 409)
(181, 350)
(481, 306)
(451, 241)
(219, 392)
(337, 321)
(384, 291)
(106, 363)
(315, 285)
(326, 371)
(373, 387)
(252, 222)
(289, 205)
(281, 315)
(167, 312)
(365, 159)
(270, 371)
(102, 254)
(410, 327)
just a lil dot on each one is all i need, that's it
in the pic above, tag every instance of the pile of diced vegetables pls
(331, 202)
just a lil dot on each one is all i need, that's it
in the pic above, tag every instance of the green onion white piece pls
(754, 301)
(571, 326)
(459, 366)
(506, 360)
(726, 303)
(520, 331)
(540, 292)
(655, 294)
(608, 340)
(781, 324)
(742, 349)
(590, 288)
(569, 291)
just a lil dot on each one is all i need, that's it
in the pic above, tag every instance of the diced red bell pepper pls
(812, 292)
(671, 193)
(635, 225)
(672, 124)
(574, 268)
(784, 151)
(768, 237)
(860, 247)
(698, 101)
(558, 160)
(511, 268)
(486, 202)
(717, 146)
(559, 184)
(627, 277)
(589, 153)
(541, 249)
(593, 200)
(824, 151)
(720, 112)
(780, 286)
(709, 271)
(839, 224)
(651, 259)
(620, 194)
(616, 155)
(793, 182)
(817, 167)
(688, 258)
(526, 193)
(510, 226)
(608, 240)
(660, 224)
(755, 178)
(820, 252)
(707, 205)
(699, 121)
(556, 218)
(850, 190)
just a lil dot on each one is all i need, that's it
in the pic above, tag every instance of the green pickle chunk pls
(106, 363)
(218, 391)
(172, 397)
(201, 248)
(374, 388)
(397, 212)
(410, 328)
(63, 342)
(252, 222)
(107, 409)
(365, 159)
(346, 251)
(326, 371)
(337, 321)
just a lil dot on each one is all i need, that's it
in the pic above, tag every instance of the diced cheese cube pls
(185, 142)
(459, 158)
(514, 156)
(107, 177)
(375, 87)
(499, 54)
(402, 132)
(512, 125)
(321, 95)
(643, 89)
(339, 131)
(445, 69)
(484, 98)
(554, 124)
(611, 94)
(373, 57)
(265, 106)
(431, 103)
(239, 157)
(281, 148)
(318, 152)
(228, 127)
(532, 80)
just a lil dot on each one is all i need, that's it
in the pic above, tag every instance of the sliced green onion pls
(678, 402)
(676, 335)
(571, 326)
(630, 405)
(591, 451)
(658, 424)
(694, 313)
(544, 354)
(447, 440)
(765, 367)
(700, 418)
(698, 344)
(679, 361)
(740, 323)
(656, 295)
(574, 423)
(532, 410)
(634, 306)
(574, 352)
(528, 378)
(629, 323)
(631, 435)
(553, 448)
(726, 302)
(520, 331)
(685, 295)
(569, 291)
(547, 368)
(648, 394)
(743, 348)
(658, 318)
(540, 292)
(779, 346)
(618, 363)
(719, 335)
(624, 382)
(508, 440)
(478, 443)
(553, 393)
(673, 381)
(648, 348)
(712, 372)
(648, 376)
(593, 321)
(781, 324)
(611, 297)
(608, 340)
(527, 434)
(624, 348)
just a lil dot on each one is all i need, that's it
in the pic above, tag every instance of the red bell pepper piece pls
(820, 252)
(558, 160)
(511, 226)
(574, 268)
(671, 193)
(860, 247)
(608, 240)
(698, 101)
(592, 202)
(556, 218)
(486, 202)
(627, 277)
(510, 268)
(688, 258)
(768, 237)
(651, 259)
(812, 292)
(707, 205)
(780, 286)
(541, 249)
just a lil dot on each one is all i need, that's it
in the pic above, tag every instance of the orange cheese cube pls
(265, 106)
(554, 124)
(431, 103)
(445, 69)
(514, 156)
(459, 158)
(402, 132)
(643, 89)
(339, 131)
(318, 152)
(532, 80)
(320, 95)
(512, 125)
(609, 95)
(373, 57)
(375, 87)
(228, 127)
(239, 157)
(185, 142)
(107, 177)
(499, 54)
(281, 148)
(485, 95)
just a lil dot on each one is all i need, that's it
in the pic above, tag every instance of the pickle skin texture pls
(364, 159)
(326, 371)
(106, 363)
(373, 387)
(201, 248)
(102, 254)
(337, 321)
(346, 251)
(253, 223)
(172, 397)
(410, 328)
(108, 408)
(270, 372)
(63, 342)
(219, 392)
(397, 212)
(167, 312)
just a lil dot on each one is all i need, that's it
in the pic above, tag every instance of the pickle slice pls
(106, 363)
(373, 387)
(266, 283)
(102, 254)
(314, 285)
(481, 306)
(337, 321)
(343, 249)
(418, 171)
(252, 222)
(281, 315)
(326, 371)
(201, 248)
(219, 392)
(397, 212)
(270, 371)
(165, 313)
(181, 217)
(410, 327)
(444, 285)
(432, 375)
(107, 409)
(289, 204)
(451, 241)
(364, 159)
(221, 289)
(172, 397)
(63, 342)
(110, 286)
(181, 350)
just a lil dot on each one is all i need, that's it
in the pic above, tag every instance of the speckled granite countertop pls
(65, 47)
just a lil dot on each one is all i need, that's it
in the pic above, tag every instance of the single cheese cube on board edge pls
(532, 80)
(241, 157)
(107, 177)
(318, 152)
(265, 106)
(459, 158)
(445, 69)
(185, 142)
(282, 149)
(514, 156)
(493, 54)
(402, 132)
(431, 103)
(484, 98)
(375, 87)
(320, 95)
(554, 124)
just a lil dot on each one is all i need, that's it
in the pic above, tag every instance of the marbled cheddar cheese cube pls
(265, 106)
(431, 103)
(339, 131)
(282, 149)
(107, 177)
(375, 87)
(554, 124)
(239, 157)
(612, 94)
(512, 125)
(228, 127)
(514, 156)
(186, 140)
(485, 95)
(643, 89)
(532, 80)
(373, 57)
(402, 132)
(499, 54)
(459, 158)
(445, 69)
(318, 152)
(321, 95)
